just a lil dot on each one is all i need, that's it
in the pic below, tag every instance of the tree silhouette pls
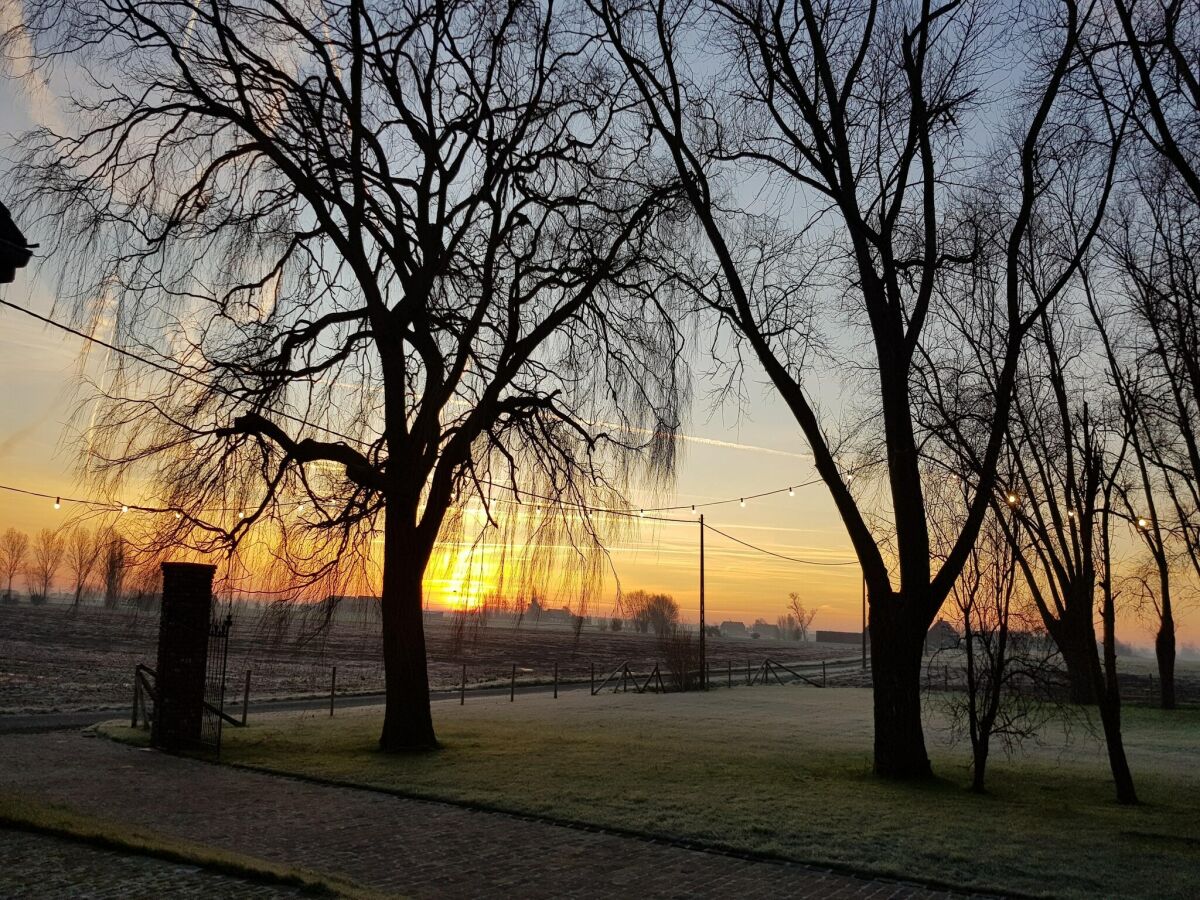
(852, 117)
(14, 547)
(392, 257)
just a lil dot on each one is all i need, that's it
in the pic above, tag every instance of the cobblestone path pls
(410, 847)
(41, 867)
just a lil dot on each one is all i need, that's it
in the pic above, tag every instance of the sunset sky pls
(725, 454)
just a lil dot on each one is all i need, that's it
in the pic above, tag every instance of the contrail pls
(708, 442)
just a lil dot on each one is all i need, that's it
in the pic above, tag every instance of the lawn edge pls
(62, 822)
(715, 848)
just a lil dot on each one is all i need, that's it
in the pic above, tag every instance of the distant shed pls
(840, 637)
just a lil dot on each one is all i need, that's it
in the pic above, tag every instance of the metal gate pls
(214, 685)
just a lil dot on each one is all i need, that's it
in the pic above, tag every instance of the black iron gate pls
(214, 685)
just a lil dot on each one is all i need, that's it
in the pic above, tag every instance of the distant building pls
(733, 629)
(840, 637)
(942, 636)
(763, 630)
(539, 614)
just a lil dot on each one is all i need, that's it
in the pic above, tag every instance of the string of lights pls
(641, 513)
(790, 490)
(795, 559)
(124, 508)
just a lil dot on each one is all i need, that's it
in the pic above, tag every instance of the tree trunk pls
(1108, 694)
(896, 671)
(407, 720)
(1078, 648)
(1164, 650)
(1110, 718)
(979, 769)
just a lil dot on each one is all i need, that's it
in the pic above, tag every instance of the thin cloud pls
(42, 104)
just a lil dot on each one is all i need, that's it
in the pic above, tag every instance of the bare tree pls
(658, 613)
(684, 660)
(399, 255)
(1008, 661)
(1143, 57)
(1065, 460)
(1056, 490)
(788, 629)
(115, 568)
(1111, 461)
(14, 547)
(803, 616)
(853, 114)
(83, 550)
(47, 559)
(1141, 503)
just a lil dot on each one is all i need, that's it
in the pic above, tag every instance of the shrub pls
(681, 653)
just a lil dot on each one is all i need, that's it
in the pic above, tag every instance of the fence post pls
(747, 673)
(246, 698)
(729, 665)
(822, 673)
(556, 680)
(946, 677)
(512, 685)
(462, 689)
(593, 679)
(137, 689)
(332, 688)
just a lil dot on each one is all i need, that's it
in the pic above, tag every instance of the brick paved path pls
(40, 867)
(391, 844)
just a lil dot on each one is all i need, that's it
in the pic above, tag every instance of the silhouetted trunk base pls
(407, 734)
(407, 720)
(899, 737)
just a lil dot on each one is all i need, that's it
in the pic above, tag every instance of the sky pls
(725, 453)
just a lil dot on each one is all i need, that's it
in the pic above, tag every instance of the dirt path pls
(412, 847)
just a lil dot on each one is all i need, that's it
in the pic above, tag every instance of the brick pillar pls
(182, 654)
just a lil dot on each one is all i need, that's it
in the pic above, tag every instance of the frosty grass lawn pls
(786, 771)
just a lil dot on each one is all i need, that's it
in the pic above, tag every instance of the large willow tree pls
(387, 256)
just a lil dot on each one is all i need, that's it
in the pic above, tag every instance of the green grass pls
(22, 813)
(786, 771)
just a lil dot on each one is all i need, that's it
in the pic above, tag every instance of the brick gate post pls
(182, 654)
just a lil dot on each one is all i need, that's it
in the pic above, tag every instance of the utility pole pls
(703, 652)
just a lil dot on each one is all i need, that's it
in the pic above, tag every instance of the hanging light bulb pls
(1143, 522)
(693, 509)
(743, 502)
(791, 492)
(58, 502)
(1012, 499)
(1070, 514)
(641, 513)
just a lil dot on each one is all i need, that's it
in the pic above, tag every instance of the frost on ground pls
(56, 658)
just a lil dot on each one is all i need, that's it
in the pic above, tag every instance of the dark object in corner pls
(14, 252)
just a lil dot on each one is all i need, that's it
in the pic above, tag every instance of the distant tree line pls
(91, 562)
